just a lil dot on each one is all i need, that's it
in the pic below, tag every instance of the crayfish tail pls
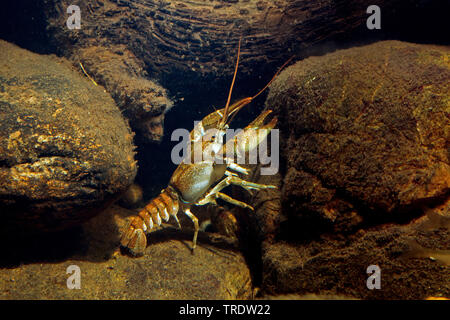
(134, 238)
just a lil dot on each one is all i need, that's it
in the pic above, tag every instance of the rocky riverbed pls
(364, 176)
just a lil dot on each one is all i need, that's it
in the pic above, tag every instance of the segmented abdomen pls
(166, 204)
(163, 206)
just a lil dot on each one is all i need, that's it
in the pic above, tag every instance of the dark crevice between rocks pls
(25, 24)
(76, 242)
(50, 247)
(250, 245)
(250, 235)
(5, 163)
(404, 214)
(303, 228)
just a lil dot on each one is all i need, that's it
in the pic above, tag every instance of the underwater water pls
(337, 189)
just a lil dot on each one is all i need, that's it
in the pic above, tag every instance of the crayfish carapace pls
(200, 182)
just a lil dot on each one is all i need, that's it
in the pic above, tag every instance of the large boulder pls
(65, 149)
(413, 260)
(365, 174)
(365, 133)
(142, 101)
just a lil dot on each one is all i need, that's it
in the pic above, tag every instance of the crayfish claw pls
(259, 121)
(237, 168)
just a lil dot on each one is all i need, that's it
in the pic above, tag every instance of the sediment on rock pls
(365, 133)
(65, 149)
(413, 260)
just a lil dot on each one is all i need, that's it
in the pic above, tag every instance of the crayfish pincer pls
(199, 182)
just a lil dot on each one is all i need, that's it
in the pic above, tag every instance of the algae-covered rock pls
(365, 132)
(65, 149)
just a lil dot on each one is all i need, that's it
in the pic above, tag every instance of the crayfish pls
(199, 183)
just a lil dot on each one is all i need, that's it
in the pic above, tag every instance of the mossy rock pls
(365, 132)
(65, 149)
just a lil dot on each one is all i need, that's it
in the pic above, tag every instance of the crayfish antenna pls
(273, 78)
(225, 113)
(246, 101)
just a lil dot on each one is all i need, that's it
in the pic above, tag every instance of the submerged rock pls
(365, 133)
(413, 260)
(142, 101)
(364, 153)
(65, 149)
